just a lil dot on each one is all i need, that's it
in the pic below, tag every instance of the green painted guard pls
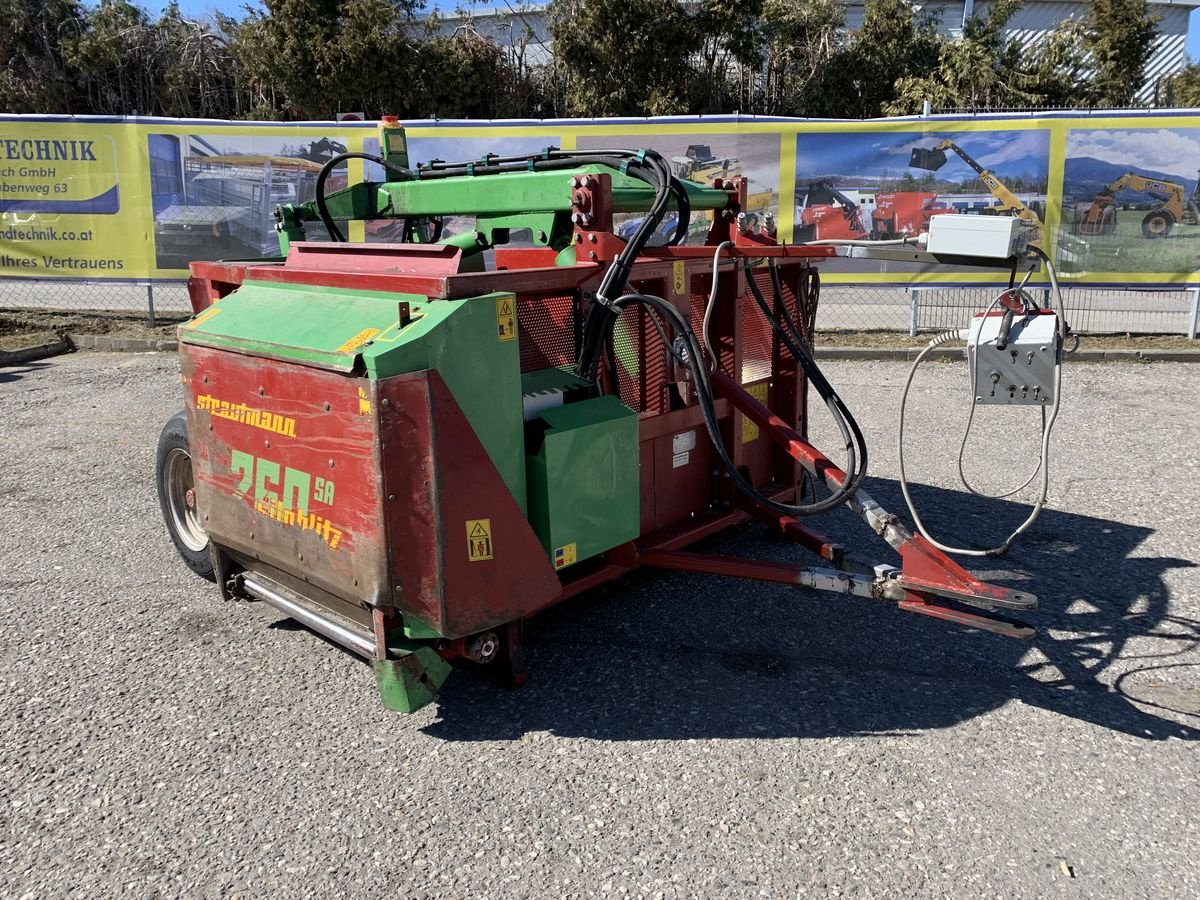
(412, 678)
(582, 472)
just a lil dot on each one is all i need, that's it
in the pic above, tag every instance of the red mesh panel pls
(757, 336)
(547, 327)
(641, 362)
(701, 286)
(804, 313)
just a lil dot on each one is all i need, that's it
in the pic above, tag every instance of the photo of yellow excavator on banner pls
(876, 187)
(1131, 202)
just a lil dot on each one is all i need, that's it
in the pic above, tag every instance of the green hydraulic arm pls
(537, 200)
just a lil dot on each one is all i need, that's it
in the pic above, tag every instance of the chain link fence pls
(147, 300)
(912, 310)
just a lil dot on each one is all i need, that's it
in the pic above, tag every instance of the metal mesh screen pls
(757, 337)
(641, 361)
(548, 327)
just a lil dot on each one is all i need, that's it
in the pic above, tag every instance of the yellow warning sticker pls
(506, 319)
(749, 429)
(204, 316)
(564, 556)
(364, 403)
(479, 539)
(677, 276)
(358, 340)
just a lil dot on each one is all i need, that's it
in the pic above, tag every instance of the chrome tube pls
(359, 642)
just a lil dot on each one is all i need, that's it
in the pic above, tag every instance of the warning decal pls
(479, 539)
(749, 429)
(358, 340)
(679, 281)
(506, 319)
(564, 556)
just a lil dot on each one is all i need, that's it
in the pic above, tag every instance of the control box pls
(1022, 370)
(994, 237)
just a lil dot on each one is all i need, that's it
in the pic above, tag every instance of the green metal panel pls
(583, 479)
(523, 192)
(412, 679)
(482, 368)
(299, 323)
(516, 194)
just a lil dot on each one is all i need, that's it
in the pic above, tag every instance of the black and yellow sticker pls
(479, 539)
(358, 340)
(565, 556)
(506, 319)
(749, 429)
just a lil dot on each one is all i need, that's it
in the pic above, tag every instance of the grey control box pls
(1023, 371)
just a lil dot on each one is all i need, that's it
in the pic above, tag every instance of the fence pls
(916, 309)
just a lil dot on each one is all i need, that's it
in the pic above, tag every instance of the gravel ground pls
(680, 735)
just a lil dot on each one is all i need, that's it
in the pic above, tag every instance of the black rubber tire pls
(1157, 224)
(172, 473)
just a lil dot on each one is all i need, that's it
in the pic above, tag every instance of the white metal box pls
(994, 237)
(1021, 373)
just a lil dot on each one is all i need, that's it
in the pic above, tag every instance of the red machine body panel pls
(285, 468)
(463, 557)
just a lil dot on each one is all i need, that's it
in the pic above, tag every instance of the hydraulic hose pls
(852, 435)
(335, 233)
(693, 359)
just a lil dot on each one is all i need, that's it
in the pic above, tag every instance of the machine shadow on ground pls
(19, 371)
(663, 655)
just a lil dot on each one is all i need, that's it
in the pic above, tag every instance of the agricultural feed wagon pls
(414, 447)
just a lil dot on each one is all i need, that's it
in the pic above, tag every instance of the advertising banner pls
(1113, 200)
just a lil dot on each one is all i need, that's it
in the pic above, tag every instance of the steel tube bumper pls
(359, 642)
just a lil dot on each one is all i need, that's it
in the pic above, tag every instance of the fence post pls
(150, 301)
(914, 308)
(1195, 320)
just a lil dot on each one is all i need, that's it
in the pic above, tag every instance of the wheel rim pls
(180, 491)
(1158, 225)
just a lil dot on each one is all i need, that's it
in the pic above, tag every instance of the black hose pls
(684, 204)
(790, 337)
(694, 361)
(335, 233)
(650, 167)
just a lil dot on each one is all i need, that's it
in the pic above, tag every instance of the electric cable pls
(1048, 420)
(712, 302)
(847, 242)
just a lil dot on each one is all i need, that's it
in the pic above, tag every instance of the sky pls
(1007, 153)
(198, 8)
(1159, 150)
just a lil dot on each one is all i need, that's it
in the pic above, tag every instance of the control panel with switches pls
(1013, 358)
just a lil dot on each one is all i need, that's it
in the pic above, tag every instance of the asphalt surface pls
(680, 735)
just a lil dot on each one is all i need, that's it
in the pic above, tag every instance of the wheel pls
(1157, 224)
(177, 496)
